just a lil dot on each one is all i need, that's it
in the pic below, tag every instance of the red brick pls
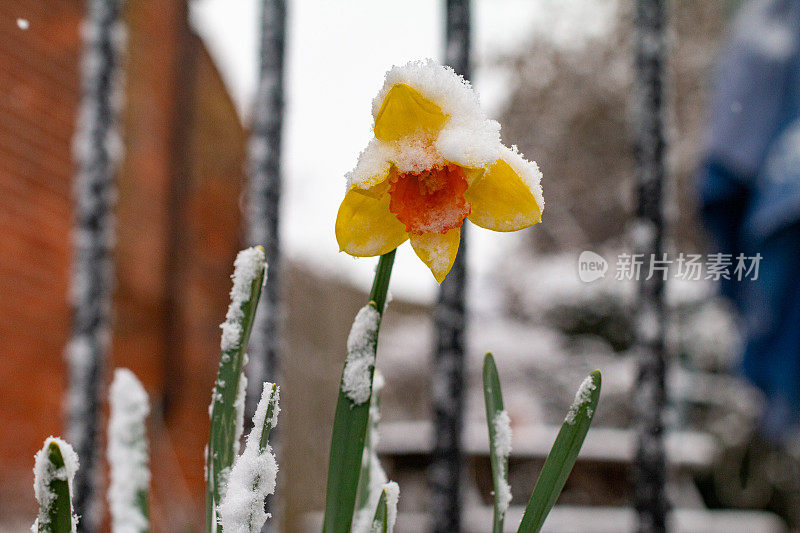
(165, 325)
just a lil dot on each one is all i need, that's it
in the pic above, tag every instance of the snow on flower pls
(435, 161)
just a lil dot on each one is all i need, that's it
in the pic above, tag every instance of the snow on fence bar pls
(450, 323)
(264, 193)
(650, 469)
(96, 150)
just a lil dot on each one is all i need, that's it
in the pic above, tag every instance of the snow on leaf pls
(357, 376)
(582, 397)
(127, 453)
(253, 476)
(502, 441)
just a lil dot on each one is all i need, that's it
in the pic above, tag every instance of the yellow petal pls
(365, 227)
(437, 250)
(501, 201)
(375, 191)
(472, 174)
(405, 111)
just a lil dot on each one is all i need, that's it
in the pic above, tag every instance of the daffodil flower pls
(434, 161)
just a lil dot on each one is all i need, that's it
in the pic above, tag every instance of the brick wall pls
(38, 93)
(177, 227)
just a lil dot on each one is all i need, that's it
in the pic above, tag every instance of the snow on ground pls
(337, 54)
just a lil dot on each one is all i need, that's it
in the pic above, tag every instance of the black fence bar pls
(264, 182)
(649, 472)
(263, 206)
(96, 152)
(450, 323)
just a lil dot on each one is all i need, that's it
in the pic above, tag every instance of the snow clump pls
(357, 376)
(127, 452)
(254, 474)
(582, 397)
(502, 449)
(44, 472)
(247, 267)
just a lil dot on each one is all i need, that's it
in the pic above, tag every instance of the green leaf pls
(349, 430)
(370, 468)
(493, 397)
(263, 440)
(225, 417)
(562, 456)
(380, 524)
(143, 504)
(253, 476)
(57, 505)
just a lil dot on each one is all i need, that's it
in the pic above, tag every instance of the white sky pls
(336, 57)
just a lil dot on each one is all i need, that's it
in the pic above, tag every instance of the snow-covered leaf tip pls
(54, 471)
(253, 476)
(128, 454)
(227, 402)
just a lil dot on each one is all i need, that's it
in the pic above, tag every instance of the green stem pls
(349, 431)
(380, 285)
(366, 475)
